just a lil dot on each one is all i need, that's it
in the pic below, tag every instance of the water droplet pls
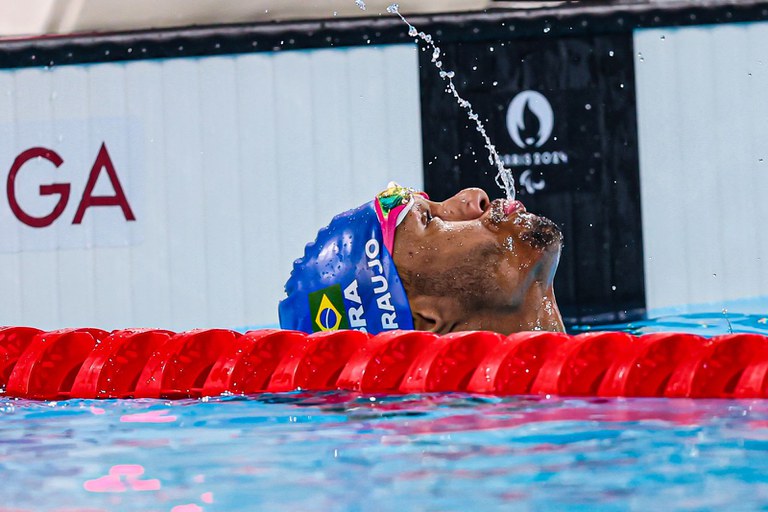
(393, 9)
(588, 107)
(360, 4)
(504, 177)
(611, 53)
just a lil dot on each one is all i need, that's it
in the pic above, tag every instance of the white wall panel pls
(10, 269)
(76, 284)
(295, 196)
(145, 100)
(230, 164)
(703, 130)
(221, 185)
(757, 50)
(106, 100)
(258, 157)
(183, 167)
(39, 265)
(332, 140)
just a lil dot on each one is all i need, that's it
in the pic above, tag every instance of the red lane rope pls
(153, 363)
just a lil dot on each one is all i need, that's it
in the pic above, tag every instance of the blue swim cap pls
(347, 278)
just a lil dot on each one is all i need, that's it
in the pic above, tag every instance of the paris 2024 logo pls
(530, 121)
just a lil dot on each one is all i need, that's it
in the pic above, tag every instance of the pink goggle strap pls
(392, 205)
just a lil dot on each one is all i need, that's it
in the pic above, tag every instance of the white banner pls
(228, 166)
(71, 184)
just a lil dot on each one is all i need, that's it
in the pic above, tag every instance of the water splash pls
(504, 178)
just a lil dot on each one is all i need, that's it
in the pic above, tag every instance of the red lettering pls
(45, 190)
(103, 161)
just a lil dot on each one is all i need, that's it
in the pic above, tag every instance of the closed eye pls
(426, 217)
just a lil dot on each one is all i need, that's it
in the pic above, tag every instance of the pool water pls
(703, 324)
(342, 451)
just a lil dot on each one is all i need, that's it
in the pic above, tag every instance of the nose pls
(468, 204)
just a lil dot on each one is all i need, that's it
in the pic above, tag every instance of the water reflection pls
(346, 451)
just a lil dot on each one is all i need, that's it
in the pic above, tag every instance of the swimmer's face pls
(484, 255)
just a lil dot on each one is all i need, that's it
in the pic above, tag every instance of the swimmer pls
(403, 261)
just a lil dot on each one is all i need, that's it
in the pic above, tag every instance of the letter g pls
(45, 190)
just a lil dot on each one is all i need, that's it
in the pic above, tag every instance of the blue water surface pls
(342, 451)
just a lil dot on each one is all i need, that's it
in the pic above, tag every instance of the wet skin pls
(471, 264)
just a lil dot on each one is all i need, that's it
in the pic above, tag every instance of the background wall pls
(230, 165)
(231, 159)
(703, 133)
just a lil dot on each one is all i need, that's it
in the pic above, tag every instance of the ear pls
(434, 314)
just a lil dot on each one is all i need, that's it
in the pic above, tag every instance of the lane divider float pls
(154, 363)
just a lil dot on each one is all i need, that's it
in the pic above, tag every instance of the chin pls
(542, 234)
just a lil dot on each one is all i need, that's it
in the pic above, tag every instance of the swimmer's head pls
(468, 263)
(347, 279)
(403, 261)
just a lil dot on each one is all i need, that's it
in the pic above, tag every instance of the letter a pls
(351, 293)
(103, 161)
(385, 302)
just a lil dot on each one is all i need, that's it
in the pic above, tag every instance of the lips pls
(511, 207)
(501, 209)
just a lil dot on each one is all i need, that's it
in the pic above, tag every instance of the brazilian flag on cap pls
(326, 309)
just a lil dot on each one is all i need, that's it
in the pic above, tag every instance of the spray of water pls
(504, 178)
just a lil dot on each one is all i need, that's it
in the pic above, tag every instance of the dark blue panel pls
(562, 113)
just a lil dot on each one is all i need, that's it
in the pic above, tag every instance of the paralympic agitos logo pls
(530, 123)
